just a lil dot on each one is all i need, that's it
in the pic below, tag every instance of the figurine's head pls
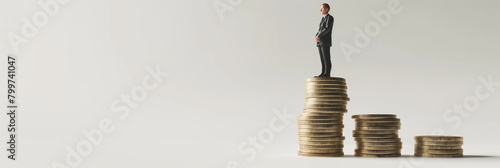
(325, 8)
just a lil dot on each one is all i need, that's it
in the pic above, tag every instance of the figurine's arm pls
(329, 26)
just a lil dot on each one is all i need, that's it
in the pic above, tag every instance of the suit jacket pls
(325, 31)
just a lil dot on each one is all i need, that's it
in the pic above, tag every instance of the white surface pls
(227, 77)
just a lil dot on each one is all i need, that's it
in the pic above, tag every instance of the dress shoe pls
(321, 75)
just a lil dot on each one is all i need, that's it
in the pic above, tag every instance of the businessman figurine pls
(324, 40)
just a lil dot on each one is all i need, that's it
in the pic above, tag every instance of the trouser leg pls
(322, 60)
(325, 50)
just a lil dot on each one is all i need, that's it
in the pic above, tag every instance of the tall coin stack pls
(439, 146)
(376, 135)
(320, 124)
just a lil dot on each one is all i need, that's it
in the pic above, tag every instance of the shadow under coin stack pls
(320, 124)
(376, 135)
(439, 146)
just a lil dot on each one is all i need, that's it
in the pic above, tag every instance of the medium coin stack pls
(321, 123)
(439, 146)
(376, 135)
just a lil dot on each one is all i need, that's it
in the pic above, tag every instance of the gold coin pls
(437, 147)
(321, 142)
(438, 138)
(439, 155)
(325, 87)
(366, 151)
(315, 83)
(332, 88)
(321, 150)
(378, 147)
(369, 136)
(321, 134)
(339, 100)
(377, 155)
(319, 104)
(315, 114)
(336, 105)
(322, 114)
(325, 110)
(308, 95)
(325, 95)
(325, 79)
(378, 124)
(308, 104)
(327, 139)
(319, 118)
(374, 131)
(339, 105)
(333, 120)
(377, 128)
(373, 116)
(377, 139)
(325, 100)
(439, 143)
(339, 113)
(439, 151)
(361, 144)
(322, 154)
(324, 91)
(321, 146)
(318, 122)
(322, 126)
(319, 130)
(384, 120)
(324, 83)
(308, 131)
(381, 147)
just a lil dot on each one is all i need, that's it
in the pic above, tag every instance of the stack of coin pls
(320, 124)
(376, 135)
(439, 146)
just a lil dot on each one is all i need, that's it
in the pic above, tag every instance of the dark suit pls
(325, 37)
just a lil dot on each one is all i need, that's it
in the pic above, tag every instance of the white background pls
(228, 75)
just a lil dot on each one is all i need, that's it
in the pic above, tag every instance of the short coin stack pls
(439, 146)
(321, 123)
(376, 135)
